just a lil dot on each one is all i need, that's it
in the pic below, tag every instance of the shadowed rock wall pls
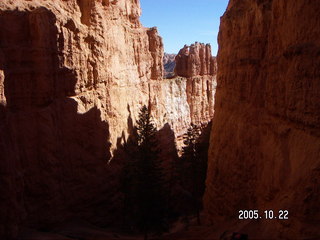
(265, 142)
(71, 75)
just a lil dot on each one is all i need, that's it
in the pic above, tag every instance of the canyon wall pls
(73, 76)
(72, 73)
(265, 139)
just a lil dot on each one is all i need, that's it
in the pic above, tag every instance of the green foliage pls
(193, 167)
(143, 181)
(146, 129)
(129, 183)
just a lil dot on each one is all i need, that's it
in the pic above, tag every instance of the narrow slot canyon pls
(105, 136)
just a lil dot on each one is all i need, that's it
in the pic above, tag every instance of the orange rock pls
(195, 60)
(73, 76)
(199, 67)
(265, 143)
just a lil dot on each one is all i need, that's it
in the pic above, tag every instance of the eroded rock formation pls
(265, 142)
(73, 76)
(196, 64)
(195, 60)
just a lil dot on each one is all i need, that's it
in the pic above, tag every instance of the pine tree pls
(151, 201)
(193, 167)
(202, 147)
(129, 183)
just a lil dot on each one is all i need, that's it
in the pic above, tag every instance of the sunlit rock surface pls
(199, 67)
(73, 76)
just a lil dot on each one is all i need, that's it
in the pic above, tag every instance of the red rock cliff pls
(195, 60)
(73, 76)
(199, 67)
(265, 142)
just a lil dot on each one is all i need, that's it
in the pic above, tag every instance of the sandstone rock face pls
(195, 60)
(196, 64)
(156, 50)
(265, 142)
(73, 76)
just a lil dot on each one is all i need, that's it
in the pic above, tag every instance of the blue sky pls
(182, 22)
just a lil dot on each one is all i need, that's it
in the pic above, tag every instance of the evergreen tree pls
(150, 189)
(193, 167)
(129, 183)
(143, 181)
(202, 147)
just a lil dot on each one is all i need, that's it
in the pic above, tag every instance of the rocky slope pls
(73, 76)
(169, 64)
(265, 142)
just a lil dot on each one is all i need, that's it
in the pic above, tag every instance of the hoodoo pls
(196, 63)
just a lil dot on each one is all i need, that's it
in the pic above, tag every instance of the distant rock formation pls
(265, 140)
(156, 50)
(195, 60)
(169, 65)
(199, 67)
